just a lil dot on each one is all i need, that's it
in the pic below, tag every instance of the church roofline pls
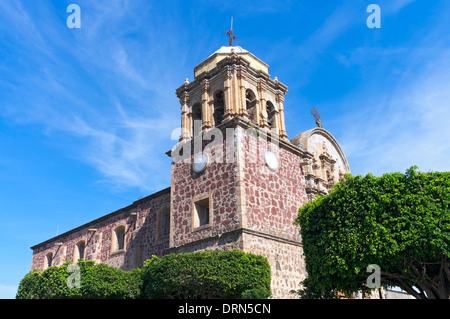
(85, 226)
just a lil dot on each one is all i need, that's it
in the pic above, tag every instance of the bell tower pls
(236, 179)
(232, 83)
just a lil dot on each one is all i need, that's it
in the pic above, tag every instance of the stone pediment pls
(328, 164)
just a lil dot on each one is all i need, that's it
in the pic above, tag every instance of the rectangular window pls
(202, 212)
(202, 208)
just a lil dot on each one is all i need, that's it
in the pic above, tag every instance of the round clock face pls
(271, 160)
(200, 163)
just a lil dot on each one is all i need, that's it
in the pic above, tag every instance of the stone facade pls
(245, 196)
(141, 241)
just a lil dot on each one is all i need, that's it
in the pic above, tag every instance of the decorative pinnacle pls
(316, 115)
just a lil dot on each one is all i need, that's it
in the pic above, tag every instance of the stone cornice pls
(237, 121)
(245, 69)
(238, 231)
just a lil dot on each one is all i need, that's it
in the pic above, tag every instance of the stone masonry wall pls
(286, 262)
(218, 182)
(271, 201)
(140, 237)
(271, 198)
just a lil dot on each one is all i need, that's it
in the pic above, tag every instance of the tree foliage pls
(400, 222)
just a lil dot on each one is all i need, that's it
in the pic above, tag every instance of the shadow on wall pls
(147, 234)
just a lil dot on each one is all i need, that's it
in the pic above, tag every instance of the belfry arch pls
(250, 104)
(219, 107)
(197, 118)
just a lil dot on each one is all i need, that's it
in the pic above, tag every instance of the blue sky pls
(86, 114)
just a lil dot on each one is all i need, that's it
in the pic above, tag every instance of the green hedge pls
(98, 281)
(208, 274)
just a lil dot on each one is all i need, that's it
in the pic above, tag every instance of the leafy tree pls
(400, 222)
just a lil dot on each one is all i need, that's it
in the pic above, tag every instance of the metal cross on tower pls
(230, 34)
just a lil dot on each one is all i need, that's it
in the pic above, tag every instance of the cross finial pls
(230, 34)
(316, 115)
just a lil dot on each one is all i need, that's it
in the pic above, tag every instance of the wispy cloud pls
(119, 118)
(124, 121)
(395, 115)
(393, 7)
(403, 115)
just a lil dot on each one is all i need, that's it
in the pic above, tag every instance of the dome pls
(229, 50)
(211, 62)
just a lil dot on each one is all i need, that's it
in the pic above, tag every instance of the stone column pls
(281, 122)
(264, 115)
(227, 94)
(241, 101)
(185, 127)
(206, 112)
(261, 112)
(258, 107)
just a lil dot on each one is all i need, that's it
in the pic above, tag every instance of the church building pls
(237, 180)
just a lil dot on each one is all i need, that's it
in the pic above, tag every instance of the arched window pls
(196, 118)
(219, 107)
(48, 260)
(250, 100)
(79, 251)
(119, 238)
(270, 114)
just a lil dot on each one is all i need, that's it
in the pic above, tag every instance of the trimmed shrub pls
(97, 281)
(210, 274)
(29, 286)
(203, 275)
